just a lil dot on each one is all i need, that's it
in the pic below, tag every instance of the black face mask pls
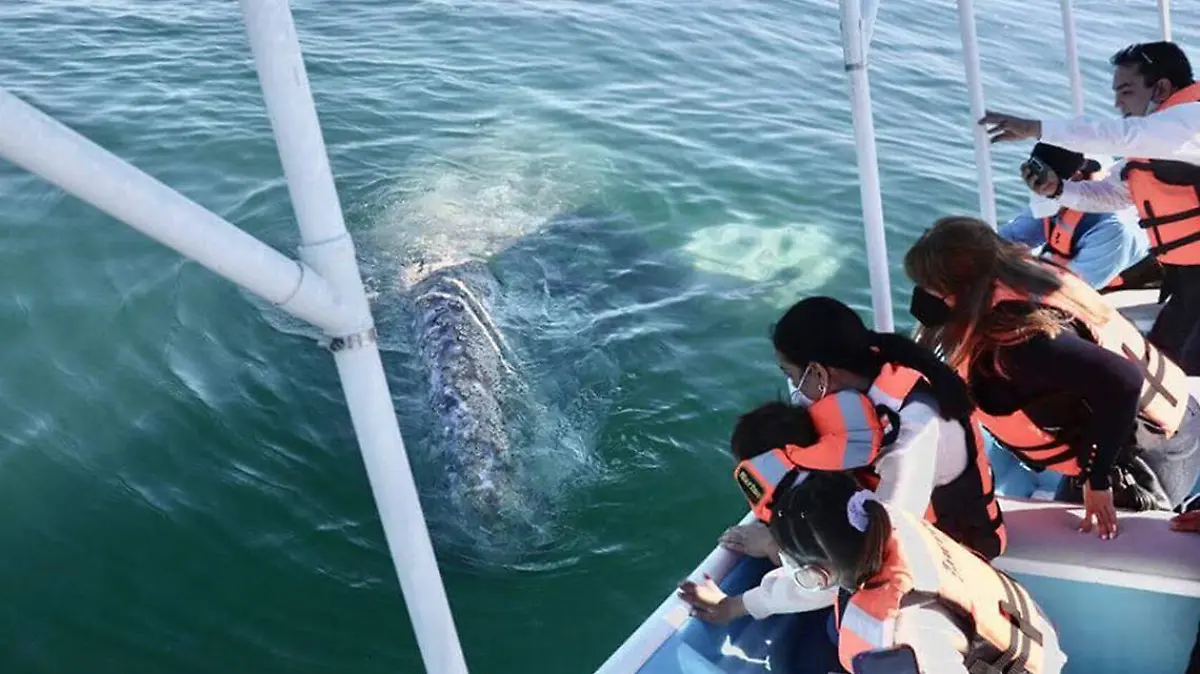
(928, 309)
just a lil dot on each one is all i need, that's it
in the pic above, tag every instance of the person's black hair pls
(825, 331)
(771, 426)
(811, 525)
(1157, 61)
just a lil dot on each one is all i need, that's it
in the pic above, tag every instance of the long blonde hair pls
(965, 260)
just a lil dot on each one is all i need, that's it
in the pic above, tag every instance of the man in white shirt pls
(1159, 136)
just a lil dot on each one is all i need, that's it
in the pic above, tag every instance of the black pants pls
(1176, 331)
(1175, 462)
(1177, 473)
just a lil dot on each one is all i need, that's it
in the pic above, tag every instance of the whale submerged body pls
(513, 429)
(491, 411)
(468, 370)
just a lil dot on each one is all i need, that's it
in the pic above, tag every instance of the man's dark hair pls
(1156, 61)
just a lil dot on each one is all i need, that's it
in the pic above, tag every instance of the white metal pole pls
(1164, 18)
(41, 145)
(328, 248)
(854, 49)
(983, 155)
(1073, 74)
(869, 10)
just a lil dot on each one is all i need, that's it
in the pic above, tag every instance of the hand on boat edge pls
(753, 540)
(1098, 506)
(709, 603)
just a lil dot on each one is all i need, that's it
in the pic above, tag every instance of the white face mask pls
(1151, 106)
(798, 397)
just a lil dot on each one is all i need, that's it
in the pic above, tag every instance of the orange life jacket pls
(1006, 628)
(853, 431)
(1062, 233)
(1164, 396)
(1167, 196)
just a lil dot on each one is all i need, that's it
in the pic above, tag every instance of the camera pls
(1039, 169)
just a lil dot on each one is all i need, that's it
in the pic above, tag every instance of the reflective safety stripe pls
(873, 632)
(771, 467)
(850, 433)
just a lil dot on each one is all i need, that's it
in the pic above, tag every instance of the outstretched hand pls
(1002, 127)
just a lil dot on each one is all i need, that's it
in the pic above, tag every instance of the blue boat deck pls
(1128, 605)
(1105, 629)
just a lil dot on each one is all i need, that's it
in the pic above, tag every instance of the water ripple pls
(181, 481)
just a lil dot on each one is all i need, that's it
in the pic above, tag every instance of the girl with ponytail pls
(826, 337)
(936, 455)
(875, 405)
(858, 384)
(910, 586)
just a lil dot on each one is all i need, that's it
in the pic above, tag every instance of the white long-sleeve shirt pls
(929, 451)
(922, 623)
(1172, 134)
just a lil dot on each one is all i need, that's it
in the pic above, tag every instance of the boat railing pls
(324, 288)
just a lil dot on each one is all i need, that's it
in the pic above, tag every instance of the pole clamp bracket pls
(356, 340)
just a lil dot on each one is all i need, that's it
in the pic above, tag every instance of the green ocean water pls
(180, 487)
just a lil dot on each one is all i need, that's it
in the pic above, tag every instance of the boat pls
(1131, 604)
(1152, 575)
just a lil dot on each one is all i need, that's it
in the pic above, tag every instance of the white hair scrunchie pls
(856, 509)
